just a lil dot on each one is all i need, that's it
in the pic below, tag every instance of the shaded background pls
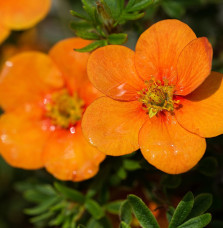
(205, 17)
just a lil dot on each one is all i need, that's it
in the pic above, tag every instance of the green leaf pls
(173, 8)
(115, 7)
(170, 213)
(138, 5)
(182, 211)
(197, 222)
(171, 181)
(201, 204)
(102, 223)
(142, 212)
(114, 207)
(94, 208)
(42, 217)
(92, 46)
(208, 166)
(70, 194)
(79, 15)
(44, 206)
(81, 226)
(90, 9)
(132, 16)
(125, 212)
(124, 225)
(117, 38)
(131, 165)
(84, 30)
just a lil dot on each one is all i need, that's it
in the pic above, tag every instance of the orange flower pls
(22, 14)
(44, 98)
(160, 98)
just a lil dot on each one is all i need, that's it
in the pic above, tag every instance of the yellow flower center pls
(64, 109)
(157, 97)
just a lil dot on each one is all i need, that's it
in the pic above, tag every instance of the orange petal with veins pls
(159, 47)
(202, 110)
(113, 126)
(193, 66)
(112, 71)
(168, 146)
(69, 156)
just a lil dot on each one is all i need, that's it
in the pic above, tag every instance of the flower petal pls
(27, 77)
(113, 126)
(22, 137)
(202, 110)
(194, 65)
(71, 63)
(4, 33)
(111, 70)
(159, 47)
(23, 14)
(168, 146)
(69, 156)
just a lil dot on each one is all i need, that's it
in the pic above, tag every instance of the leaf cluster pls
(100, 21)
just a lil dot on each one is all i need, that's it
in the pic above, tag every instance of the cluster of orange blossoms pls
(162, 98)
(20, 15)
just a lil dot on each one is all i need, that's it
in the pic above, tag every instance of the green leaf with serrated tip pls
(94, 208)
(182, 211)
(124, 225)
(69, 193)
(92, 46)
(117, 38)
(142, 212)
(42, 217)
(173, 8)
(170, 213)
(44, 206)
(201, 204)
(90, 9)
(139, 5)
(114, 207)
(131, 165)
(125, 212)
(197, 222)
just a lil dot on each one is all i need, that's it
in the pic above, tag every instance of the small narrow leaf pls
(92, 46)
(125, 212)
(69, 193)
(94, 209)
(44, 206)
(197, 222)
(79, 15)
(42, 217)
(117, 38)
(114, 207)
(142, 212)
(182, 211)
(201, 204)
(139, 5)
(124, 225)
(132, 16)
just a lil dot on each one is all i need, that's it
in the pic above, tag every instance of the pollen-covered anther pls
(157, 96)
(64, 109)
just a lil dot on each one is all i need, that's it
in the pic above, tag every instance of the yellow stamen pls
(157, 97)
(64, 110)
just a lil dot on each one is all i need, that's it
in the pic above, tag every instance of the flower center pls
(64, 109)
(157, 97)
